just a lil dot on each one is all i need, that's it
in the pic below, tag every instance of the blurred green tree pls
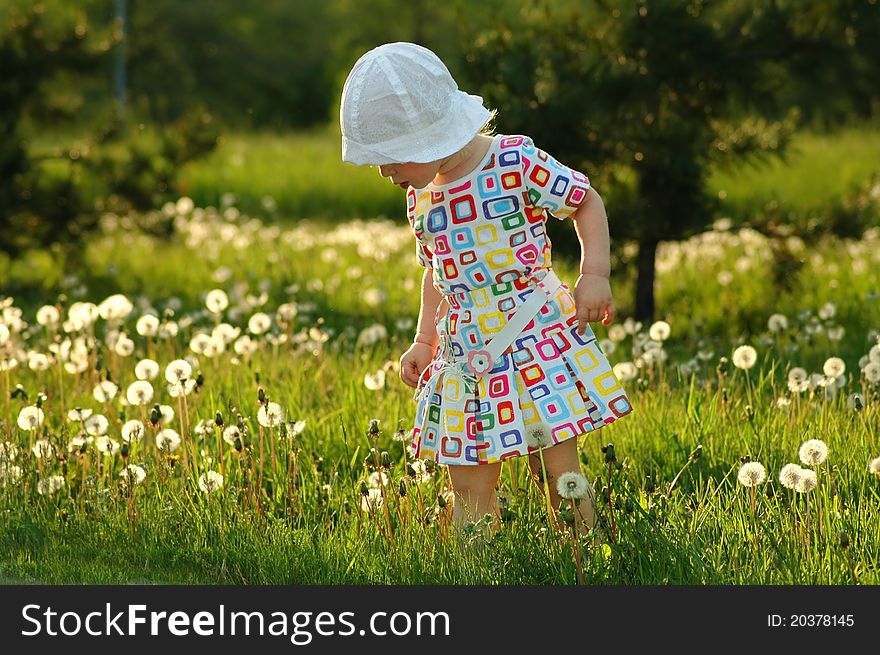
(644, 97)
(53, 192)
(647, 96)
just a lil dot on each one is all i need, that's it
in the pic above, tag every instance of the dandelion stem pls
(575, 546)
(611, 504)
(551, 514)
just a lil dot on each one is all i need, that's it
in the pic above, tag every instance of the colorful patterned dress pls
(484, 237)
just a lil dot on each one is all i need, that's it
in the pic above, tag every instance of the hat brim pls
(466, 118)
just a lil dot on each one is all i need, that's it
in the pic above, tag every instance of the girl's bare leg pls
(474, 492)
(559, 459)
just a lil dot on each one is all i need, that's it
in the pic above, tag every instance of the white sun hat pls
(400, 104)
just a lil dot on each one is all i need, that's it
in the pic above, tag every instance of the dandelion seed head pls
(259, 323)
(625, 371)
(210, 482)
(216, 301)
(538, 435)
(572, 485)
(777, 323)
(659, 331)
(372, 500)
(813, 452)
(30, 418)
(96, 425)
(168, 440)
(147, 325)
(834, 367)
(745, 357)
(270, 415)
(51, 485)
(231, 433)
(751, 474)
(132, 431)
(139, 393)
(104, 391)
(146, 369)
(789, 475)
(807, 481)
(375, 381)
(48, 316)
(133, 474)
(178, 371)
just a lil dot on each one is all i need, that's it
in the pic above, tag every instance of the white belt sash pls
(459, 379)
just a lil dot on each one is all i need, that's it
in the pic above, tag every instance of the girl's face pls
(410, 174)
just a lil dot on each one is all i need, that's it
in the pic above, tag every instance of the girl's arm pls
(592, 293)
(591, 225)
(431, 299)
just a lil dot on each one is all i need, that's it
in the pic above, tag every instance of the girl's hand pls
(593, 301)
(414, 361)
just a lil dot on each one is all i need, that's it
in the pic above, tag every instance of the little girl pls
(504, 361)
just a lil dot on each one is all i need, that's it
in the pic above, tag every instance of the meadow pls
(224, 407)
(301, 174)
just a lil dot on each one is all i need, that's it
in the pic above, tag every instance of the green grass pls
(818, 170)
(302, 172)
(293, 530)
(305, 175)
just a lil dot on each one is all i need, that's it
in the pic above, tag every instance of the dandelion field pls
(224, 407)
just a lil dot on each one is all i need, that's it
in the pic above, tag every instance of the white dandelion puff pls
(789, 475)
(210, 482)
(231, 433)
(123, 346)
(872, 372)
(259, 323)
(834, 367)
(168, 440)
(572, 485)
(133, 474)
(378, 479)
(827, 311)
(777, 323)
(813, 452)
(132, 431)
(96, 425)
(147, 325)
(51, 485)
(375, 381)
(617, 332)
(178, 371)
(107, 445)
(538, 435)
(43, 449)
(659, 331)
(116, 306)
(146, 369)
(216, 301)
(807, 481)
(745, 357)
(78, 414)
(372, 500)
(48, 316)
(38, 361)
(30, 418)
(270, 415)
(874, 466)
(105, 391)
(139, 393)
(625, 371)
(751, 474)
(184, 388)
